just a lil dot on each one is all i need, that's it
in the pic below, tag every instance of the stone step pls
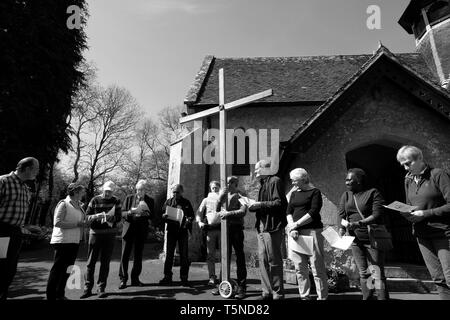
(405, 271)
(410, 285)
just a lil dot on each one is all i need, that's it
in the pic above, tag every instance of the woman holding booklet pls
(359, 207)
(303, 216)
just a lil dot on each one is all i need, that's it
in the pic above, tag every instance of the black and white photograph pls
(224, 158)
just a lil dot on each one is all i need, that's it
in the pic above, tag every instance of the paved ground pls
(34, 267)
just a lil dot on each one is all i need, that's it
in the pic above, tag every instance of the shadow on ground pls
(32, 282)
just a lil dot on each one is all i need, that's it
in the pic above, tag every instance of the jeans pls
(103, 245)
(317, 267)
(236, 241)
(212, 242)
(371, 277)
(271, 262)
(138, 241)
(173, 237)
(436, 254)
(8, 266)
(65, 256)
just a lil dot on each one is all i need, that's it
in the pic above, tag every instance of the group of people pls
(297, 214)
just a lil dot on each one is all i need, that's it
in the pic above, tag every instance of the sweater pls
(432, 195)
(66, 219)
(99, 204)
(370, 203)
(303, 202)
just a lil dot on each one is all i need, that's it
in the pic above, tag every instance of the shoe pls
(62, 298)
(278, 297)
(240, 294)
(101, 293)
(86, 294)
(265, 297)
(165, 281)
(185, 283)
(212, 281)
(307, 298)
(137, 284)
(122, 285)
(215, 291)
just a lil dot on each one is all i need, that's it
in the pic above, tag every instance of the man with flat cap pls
(15, 198)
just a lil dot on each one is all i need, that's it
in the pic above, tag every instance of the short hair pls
(299, 174)
(264, 163)
(74, 188)
(412, 152)
(178, 186)
(25, 163)
(232, 179)
(214, 183)
(141, 183)
(360, 175)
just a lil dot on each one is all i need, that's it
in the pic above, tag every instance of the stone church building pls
(334, 113)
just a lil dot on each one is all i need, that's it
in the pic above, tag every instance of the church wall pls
(384, 113)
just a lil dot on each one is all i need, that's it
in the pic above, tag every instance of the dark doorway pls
(385, 174)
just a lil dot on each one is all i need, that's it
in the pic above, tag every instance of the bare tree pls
(109, 133)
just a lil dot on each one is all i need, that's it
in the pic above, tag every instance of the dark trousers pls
(8, 266)
(271, 262)
(65, 256)
(99, 245)
(236, 241)
(436, 254)
(372, 277)
(136, 240)
(173, 237)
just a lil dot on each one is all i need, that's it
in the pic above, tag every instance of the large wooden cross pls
(221, 109)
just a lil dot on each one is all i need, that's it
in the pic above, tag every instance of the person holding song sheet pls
(428, 189)
(177, 232)
(303, 217)
(137, 211)
(102, 236)
(359, 207)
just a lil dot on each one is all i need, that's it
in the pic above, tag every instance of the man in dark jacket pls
(177, 231)
(234, 213)
(137, 211)
(429, 190)
(270, 223)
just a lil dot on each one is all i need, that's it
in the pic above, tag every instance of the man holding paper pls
(305, 226)
(428, 189)
(137, 211)
(102, 236)
(14, 201)
(178, 217)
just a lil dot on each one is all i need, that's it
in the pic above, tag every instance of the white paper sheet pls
(303, 244)
(109, 213)
(174, 214)
(344, 223)
(402, 207)
(246, 201)
(4, 244)
(335, 240)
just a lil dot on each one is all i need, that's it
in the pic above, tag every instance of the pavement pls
(35, 264)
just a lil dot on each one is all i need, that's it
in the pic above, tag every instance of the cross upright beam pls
(221, 110)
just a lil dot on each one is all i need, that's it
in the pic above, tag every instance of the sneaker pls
(62, 298)
(165, 281)
(278, 297)
(86, 294)
(101, 293)
(122, 285)
(215, 291)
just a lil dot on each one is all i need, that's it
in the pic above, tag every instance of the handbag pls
(379, 236)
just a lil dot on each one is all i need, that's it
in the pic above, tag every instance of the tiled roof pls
(293, 79)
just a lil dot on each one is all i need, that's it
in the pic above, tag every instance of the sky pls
(154, 48)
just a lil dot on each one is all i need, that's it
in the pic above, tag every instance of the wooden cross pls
(221, 109)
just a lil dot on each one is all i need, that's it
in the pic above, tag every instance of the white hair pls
(141, 183)
(409, 152)
(299, 174)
